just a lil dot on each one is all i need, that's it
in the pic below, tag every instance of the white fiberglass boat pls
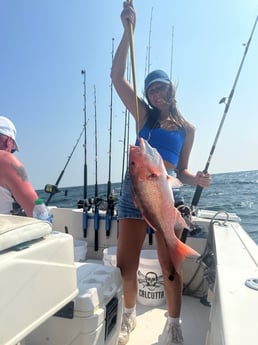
(48, 299)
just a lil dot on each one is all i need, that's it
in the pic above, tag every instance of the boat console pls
(38, 275)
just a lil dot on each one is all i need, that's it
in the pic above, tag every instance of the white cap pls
(7, 128)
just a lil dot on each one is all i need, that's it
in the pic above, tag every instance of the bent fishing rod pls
(227, 102)
(53, 189)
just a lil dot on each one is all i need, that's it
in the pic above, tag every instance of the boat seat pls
(15, 230)
(38, 275)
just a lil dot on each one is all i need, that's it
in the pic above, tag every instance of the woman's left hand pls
(202, 179)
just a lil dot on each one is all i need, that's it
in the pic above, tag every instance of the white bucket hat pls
(7, 128)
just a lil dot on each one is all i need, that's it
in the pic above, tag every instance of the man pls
(14, 183)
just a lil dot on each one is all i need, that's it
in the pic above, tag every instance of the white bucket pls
(109, 256)
(150, 280)
(80, 250)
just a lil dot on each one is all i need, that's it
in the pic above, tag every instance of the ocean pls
(235, 192)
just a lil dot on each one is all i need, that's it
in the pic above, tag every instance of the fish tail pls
(181, 251)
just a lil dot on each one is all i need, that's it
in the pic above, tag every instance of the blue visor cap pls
(156, 76)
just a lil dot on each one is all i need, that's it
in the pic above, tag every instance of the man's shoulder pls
(8, 159)
(5, 155)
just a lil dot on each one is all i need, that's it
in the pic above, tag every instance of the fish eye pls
(152, 176)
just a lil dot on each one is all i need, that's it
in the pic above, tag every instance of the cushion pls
(15, 230)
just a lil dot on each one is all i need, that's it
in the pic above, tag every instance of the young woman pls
(162, 125)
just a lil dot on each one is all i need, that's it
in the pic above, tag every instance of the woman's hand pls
(202, 179)
(128, 15)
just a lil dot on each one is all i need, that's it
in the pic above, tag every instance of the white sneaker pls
(128, 325)
(174, 335)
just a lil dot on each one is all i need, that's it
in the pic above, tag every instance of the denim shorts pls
(126, 207)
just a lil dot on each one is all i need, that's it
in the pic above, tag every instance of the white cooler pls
(97, 311)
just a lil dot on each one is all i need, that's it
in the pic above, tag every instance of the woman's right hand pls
(128, 15)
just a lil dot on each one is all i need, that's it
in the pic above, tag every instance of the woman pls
(162, 125)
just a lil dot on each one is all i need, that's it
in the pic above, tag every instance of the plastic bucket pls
(150, 280)
(80, 250)
(109, 256)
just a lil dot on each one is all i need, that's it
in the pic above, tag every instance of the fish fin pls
(180, 223)
(180, 252)
(149, 223)
(174, 182)
(135, 202)
(134, 198)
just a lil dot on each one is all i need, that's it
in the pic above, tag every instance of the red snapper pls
(152, 195)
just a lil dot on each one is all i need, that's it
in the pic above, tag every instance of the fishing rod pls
(124, 147)
(148, 64)
(126, 141)
(96, 199)
(134, 73)
(110, 129)
(84, 201)
(83, 72)
(53, 189)
(227, 101)
(96, 143)
(110, 196)
(172, 52)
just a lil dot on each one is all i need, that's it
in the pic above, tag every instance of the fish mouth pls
(135, 152)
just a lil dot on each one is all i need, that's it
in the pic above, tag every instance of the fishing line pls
(227, 102)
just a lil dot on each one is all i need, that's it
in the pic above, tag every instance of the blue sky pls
(46, 43)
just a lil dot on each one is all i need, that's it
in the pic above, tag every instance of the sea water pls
(235, 192)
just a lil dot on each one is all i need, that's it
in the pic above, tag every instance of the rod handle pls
(197, 195)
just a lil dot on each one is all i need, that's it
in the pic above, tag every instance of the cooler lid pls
(97, 284)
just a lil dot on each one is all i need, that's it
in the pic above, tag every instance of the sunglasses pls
(160, 88)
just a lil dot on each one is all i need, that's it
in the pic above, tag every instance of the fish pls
(151, 189)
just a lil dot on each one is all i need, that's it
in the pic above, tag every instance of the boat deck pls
(151, 323)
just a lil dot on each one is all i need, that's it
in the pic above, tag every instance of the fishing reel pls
(51, 189)
(84, 203)
(185, 212)
(90, 203)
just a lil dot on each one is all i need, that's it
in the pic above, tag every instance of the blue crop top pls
(168, 143)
